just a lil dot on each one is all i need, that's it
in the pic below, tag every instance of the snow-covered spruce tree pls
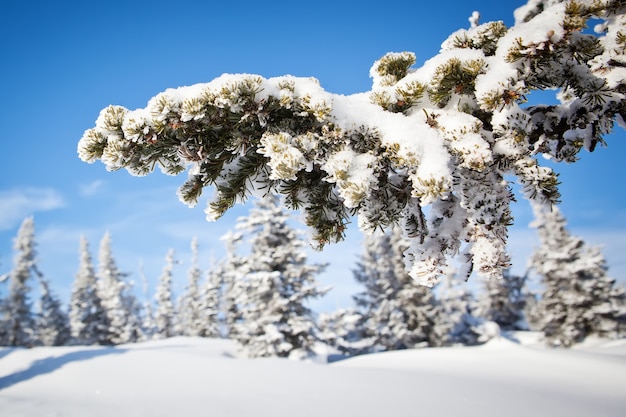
(210, 298)
(579, 299)
(345, 330)
(190, 321)
(89, 322)
(274, 284)
(399, 313)
(17, 321)
(532, 311)
(230, 270)
(503, 301)
(165, 320)
(52, 326)
(447, 135)
(118, 301)
(199, 305)
(3, 279)
(460, 324)
(135, 321)
(148, 328)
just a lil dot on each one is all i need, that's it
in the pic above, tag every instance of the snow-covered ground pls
(202, 377)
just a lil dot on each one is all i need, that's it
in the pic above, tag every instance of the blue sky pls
(64, 61)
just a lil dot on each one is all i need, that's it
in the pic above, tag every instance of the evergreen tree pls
(435, 146)
(345, 330)
(135, 321)
(118, 301)
(3, 279)
(274, 285)
(461, 325)
(52, 323)
(148, 326)
(190, 313)
(18, 324)
(210, 294)
(165, 314)
(230, 272)
(532, 312)
(579, 299)
(400, 313)
(89, 322)
(503, 301)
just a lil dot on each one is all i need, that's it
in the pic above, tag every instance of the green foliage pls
(394, 66)
(454, 77)
(485, 38)
(324, 211)
(407, 95)
(95, 144)
(577, 13)
(621, 41)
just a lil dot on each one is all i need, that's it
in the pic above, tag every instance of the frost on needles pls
(428, 148)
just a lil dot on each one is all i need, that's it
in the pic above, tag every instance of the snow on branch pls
(440, 137)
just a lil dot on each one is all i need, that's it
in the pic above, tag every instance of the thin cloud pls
(17, 204)
(91, 189)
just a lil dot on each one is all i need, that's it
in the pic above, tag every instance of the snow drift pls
(200, 377)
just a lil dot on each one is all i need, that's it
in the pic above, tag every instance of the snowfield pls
(203, 377)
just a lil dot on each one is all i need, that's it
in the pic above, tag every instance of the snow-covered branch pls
(440, 137)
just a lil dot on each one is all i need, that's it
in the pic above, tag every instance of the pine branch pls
(439, 139)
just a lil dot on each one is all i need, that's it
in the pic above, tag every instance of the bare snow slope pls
(201, 377)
